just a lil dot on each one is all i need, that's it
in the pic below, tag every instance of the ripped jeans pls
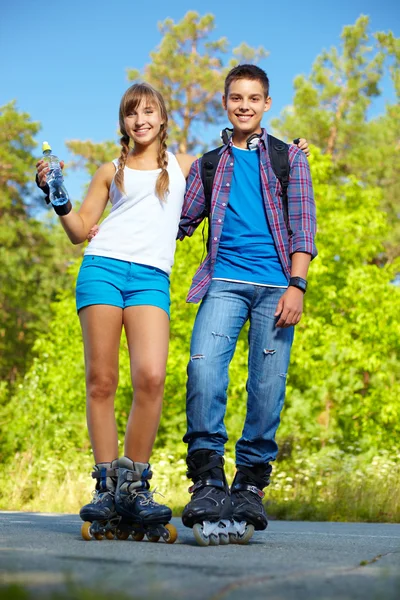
(222, 314)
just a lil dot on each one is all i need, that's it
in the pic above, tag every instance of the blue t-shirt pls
(246, 250)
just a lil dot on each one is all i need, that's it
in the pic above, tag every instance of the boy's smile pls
(245, 105)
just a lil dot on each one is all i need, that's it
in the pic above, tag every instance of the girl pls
(124, 283)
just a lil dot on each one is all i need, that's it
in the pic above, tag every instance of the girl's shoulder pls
(185, 162)
(106, 172)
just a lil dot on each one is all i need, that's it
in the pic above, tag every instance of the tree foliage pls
(344, 380)
(331, 107)
(188, 69)
(331, 104)
(31, 256)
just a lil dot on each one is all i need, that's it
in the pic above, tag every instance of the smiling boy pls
(256, 271)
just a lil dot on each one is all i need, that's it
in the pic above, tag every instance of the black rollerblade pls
(209, 512)
(247, 499)
(139, 514)
(99, 516)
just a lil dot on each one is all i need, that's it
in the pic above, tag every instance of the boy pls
(256, 270)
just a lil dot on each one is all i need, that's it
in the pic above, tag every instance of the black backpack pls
(279, 156)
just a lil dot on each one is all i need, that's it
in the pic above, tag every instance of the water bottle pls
(54, 178)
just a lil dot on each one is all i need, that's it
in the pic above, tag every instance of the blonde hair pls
(129, 102)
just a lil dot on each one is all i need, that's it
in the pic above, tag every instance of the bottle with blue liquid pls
(57, 191)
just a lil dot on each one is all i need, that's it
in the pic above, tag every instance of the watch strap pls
(298, 282)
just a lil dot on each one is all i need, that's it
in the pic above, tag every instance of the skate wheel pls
(98, 536)
(223, 539)
(138, 536)
(85, 531)
(199, 536)
(109, 535)
(172, 534)
(214, 539)
(247, 535)
(233, 538)
(153, 538)
(122, 535)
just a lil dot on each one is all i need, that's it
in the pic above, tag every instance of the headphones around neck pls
(226, 135)
(252, 141)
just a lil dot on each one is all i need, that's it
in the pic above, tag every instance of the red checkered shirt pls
(301, 207)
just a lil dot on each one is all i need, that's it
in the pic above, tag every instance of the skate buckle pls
(131, 476)
(195, 487)
(255, 490)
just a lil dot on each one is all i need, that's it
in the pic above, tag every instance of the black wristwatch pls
(298, 282)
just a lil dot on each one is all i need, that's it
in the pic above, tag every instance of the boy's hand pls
(302, 144)
(93, 232)
(42, 168)
(290, 307)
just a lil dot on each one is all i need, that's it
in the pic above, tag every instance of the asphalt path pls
(289, 561)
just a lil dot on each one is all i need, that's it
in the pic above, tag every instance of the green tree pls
(377, 158)
(344, 380)
(188, 69)
(32, 261)
(91, 155)
(331, 108)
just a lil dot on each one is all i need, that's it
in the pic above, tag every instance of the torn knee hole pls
(269, 352)
(197, 356)
(223, 335)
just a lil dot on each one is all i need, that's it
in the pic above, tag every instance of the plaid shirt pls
(300, 201)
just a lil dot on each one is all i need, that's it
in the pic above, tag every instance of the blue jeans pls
(222, 314)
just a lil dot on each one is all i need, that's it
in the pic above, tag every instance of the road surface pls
(289, 561)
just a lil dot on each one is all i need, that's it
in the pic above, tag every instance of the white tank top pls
(141, 228)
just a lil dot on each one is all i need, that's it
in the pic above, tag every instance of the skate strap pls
(216, 461)
(261, 480)
(105, 473)
(134, 476)
(206, 482)
(242, 487)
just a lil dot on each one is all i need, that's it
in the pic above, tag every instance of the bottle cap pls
(45, 146)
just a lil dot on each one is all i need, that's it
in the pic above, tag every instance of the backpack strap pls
(209, 164)
(279, 156)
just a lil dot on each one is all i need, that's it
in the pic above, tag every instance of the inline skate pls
(139, 514)
(99, 516)
(247, 499)
(209, 512)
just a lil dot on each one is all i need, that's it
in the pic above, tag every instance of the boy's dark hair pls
(247, 72)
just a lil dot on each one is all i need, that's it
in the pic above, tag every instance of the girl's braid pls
(162, 183)
(119, 176)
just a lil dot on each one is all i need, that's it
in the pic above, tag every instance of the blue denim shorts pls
(103, 280)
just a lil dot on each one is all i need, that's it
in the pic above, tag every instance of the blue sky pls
(65, 62)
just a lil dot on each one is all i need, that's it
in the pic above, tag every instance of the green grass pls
(16, 592)
(332, 485)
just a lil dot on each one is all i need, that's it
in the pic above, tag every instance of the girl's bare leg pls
(101, 328)
(147, 332)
